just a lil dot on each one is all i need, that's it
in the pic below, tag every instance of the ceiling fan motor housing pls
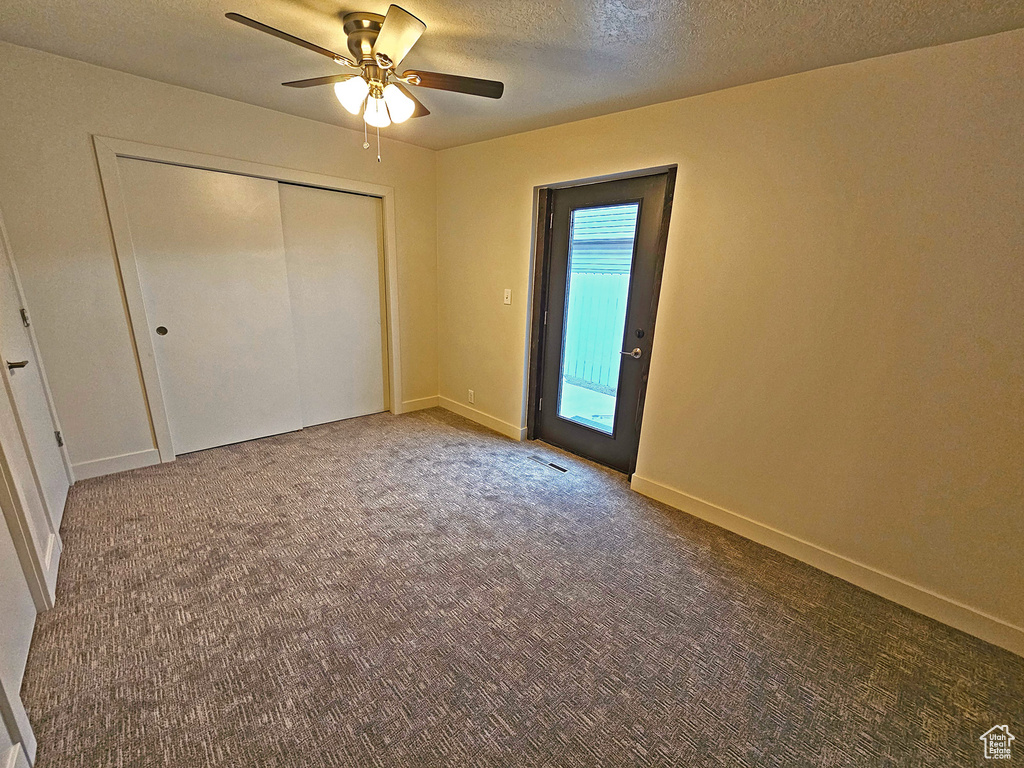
(362, 30)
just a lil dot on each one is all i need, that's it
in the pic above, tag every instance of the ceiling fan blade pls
(491, 89)
(398, 34)
(328, 80)
(420, 111)
(290, 38)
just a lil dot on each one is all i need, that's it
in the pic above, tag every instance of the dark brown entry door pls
(606, 246)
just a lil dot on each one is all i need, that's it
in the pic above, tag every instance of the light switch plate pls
(508, 295)
(472, 396)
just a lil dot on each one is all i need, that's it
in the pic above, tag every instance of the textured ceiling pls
(560, 61)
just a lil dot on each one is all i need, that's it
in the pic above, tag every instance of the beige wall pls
(840, 343)
(52, 203)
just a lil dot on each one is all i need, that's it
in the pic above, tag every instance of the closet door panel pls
(210, 254)
(334, 250)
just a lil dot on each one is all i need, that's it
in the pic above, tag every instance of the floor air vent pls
(540, 460)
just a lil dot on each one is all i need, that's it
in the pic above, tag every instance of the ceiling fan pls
(377, 45)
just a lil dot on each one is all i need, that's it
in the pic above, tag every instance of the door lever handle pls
(636, 353)
(13, 366)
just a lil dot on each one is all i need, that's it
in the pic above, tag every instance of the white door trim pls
(14, 718)
(107, 152)
(39, 558)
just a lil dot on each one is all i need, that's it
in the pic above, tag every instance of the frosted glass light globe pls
(376, 113)
(400, 106)
(351, 93)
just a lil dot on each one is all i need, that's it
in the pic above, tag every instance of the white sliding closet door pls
(211, 262)
(333, 242)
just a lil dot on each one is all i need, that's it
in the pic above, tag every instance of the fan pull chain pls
(378, 143)
(366, 141)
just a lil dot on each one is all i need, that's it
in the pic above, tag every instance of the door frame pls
(542, 279)
(14, 718)
(108, 150)
(39, 555)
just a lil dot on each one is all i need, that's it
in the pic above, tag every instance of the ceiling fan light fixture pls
(378, 45)
(400, 106)
(376, 113)
(352, 93)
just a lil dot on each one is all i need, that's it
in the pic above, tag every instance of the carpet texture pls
(416, 591)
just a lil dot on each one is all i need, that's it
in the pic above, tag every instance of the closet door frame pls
(108, 150)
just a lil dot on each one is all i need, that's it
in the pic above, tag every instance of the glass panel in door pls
(601, 244)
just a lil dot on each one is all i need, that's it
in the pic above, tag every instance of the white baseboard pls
(112, 464)
(502, 427)
(916, 598)
(419, 405)
(54, 546)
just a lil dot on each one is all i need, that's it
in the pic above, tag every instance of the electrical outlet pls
(508, 295)
(472, 396)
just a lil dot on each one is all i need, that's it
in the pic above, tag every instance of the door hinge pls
(60, 439)
(540, 404)
(551, 219)
(545, 317)
(24, 317)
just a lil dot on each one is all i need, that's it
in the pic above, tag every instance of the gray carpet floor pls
(415, 591)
